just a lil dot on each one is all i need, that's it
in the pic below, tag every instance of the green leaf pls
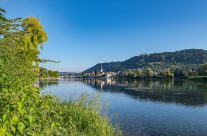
(31, 119)
(21, 127)
(15, 119)
(13, 129)
(4, 117)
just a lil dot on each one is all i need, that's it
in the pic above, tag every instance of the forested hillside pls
(183, 57)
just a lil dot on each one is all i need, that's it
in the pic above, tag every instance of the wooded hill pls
(188, 57)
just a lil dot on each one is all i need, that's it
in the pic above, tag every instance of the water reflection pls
(45, 84)
(145, 107)
(167, 91)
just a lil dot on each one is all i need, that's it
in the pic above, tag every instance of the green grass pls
(83, 118)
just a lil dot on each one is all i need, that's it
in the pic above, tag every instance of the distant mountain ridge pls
(187, 57)
(67, 73)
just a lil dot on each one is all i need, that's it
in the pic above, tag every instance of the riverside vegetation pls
(48, 74)
(23, 109)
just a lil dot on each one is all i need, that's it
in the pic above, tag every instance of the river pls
(144, 107)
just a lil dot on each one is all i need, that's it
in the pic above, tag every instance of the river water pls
(144, 107)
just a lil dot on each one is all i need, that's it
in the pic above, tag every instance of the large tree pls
(27, 33)
(34, 36)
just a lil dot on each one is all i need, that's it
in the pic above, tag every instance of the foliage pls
(131, 74)
(202, 71)
(180, 73)
(34, 33)
(139, 73)
(149, 72)
(23, 110)
(167, 73)
(44, 73)
(53, 73)
(33, 36)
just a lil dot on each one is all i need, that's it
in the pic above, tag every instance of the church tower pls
(101, 69)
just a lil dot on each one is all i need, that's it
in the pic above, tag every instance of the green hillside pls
(164, 59)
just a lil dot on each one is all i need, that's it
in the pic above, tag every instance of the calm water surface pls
(145, 108)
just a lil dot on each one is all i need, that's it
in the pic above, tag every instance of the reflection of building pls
(108, 81)
(108, 75)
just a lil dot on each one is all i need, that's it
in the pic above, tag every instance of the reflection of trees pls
(43, 84)
(181, 92)
(151, 84)
(188, 98)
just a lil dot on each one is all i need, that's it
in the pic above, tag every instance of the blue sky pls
(85, 32)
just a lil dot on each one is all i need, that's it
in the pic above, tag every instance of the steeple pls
(101, 69)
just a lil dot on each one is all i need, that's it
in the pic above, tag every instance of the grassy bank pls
(85, 119)
(80, 117)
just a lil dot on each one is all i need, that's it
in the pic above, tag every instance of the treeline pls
(146, 73)
(45, 73)
(24, 110)
(182, 73)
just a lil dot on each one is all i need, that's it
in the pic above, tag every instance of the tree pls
(139, 73)
(180, 73)
(34, 33)
(27, 33)
(2, 11)
(131, 74)
(202, 70)
(34, 36)
(9, 29)
(54, 74)
(43, 72)
(168, 73)
(149, 73)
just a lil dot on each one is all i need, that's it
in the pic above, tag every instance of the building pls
(101, 70)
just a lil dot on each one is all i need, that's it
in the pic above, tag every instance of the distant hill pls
(67, 73)
(183, 57)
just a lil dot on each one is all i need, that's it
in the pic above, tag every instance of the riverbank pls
(198, 78)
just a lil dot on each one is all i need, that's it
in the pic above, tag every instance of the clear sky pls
(85, 32)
